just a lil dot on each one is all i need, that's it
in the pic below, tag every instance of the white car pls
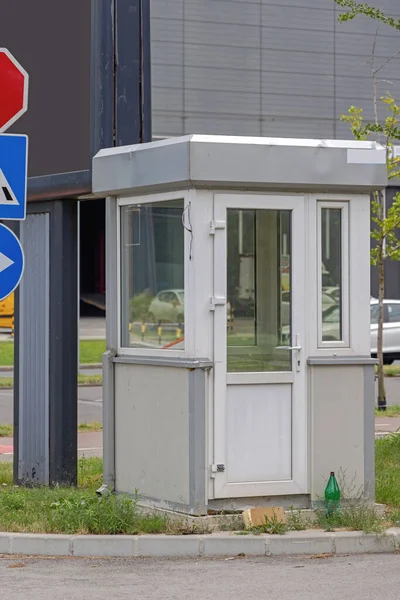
(391, 330)
(327, 301)
(168, 307)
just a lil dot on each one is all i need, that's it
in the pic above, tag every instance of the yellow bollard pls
(178, 333)
(144, 327)
(159, 333)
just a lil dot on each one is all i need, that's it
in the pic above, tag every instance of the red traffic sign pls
(14, 90)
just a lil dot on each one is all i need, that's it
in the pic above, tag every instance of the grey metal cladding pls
(247, 67)
(33, 332)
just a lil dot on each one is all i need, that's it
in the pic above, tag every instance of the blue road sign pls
(13, 176)
(11, 261)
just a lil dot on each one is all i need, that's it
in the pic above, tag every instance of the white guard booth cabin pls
(238, 369)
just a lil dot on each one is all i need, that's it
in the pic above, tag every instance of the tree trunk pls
(381, 379)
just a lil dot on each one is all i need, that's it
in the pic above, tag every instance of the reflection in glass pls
(331, 293)
(152, 276)
(259, 291)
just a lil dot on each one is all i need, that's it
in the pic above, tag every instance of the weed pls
(355, 515)
(296, 520)
(272, 526)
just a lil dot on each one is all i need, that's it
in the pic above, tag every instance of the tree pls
(386, 224)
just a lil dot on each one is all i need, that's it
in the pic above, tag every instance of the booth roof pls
(234, 162)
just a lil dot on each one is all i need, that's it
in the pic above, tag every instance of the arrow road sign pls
(14, 90)
(13, 176)
(11, 262)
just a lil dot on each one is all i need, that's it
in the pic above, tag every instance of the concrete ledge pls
(218, 544)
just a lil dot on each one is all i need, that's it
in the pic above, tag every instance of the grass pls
(387, 471)
(8, 382)
(391, 411)
(90, 352)
(390, 370)
(68, 510)
(7, 430)
(356, 515)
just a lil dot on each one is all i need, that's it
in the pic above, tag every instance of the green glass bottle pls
(332, 495)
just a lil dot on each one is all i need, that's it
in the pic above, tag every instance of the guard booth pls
(238, 369)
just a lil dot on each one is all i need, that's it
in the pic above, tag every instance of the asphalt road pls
(90, 405)
(337, 578)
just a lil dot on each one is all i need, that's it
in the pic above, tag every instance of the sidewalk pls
(384, 425)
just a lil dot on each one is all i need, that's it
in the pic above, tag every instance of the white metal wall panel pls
(261, 67)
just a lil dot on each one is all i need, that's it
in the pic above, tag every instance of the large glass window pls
(152, 276)
(259, 290)
(333, 323)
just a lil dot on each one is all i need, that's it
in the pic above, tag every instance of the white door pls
(260, 408)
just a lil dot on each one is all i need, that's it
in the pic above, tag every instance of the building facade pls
(269, 68)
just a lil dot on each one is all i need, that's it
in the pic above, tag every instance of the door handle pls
(298, 348)
(288, 348)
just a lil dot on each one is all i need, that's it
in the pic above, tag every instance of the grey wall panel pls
(223, 11)
(169, 76)
(221, 102)
(167, 124)
(362, 44)
(307, 106)
(167, 53)
(297, 17)
(167, 99)
(228, 34)
(33, 395)
(296, 84)
(222, 79)
(166, 30)
(305, 63)
(356, 65)
(259, 67)
(166, 9)
(306, 128)
(152, 420)
(224, 57)
(224, 124)
(305, 40)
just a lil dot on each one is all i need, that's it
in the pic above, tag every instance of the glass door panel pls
(258, 290)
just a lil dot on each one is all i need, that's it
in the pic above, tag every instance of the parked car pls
(168, 307)
(327, 301)
(391, 330)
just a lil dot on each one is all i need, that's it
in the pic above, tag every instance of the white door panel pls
(260, 408)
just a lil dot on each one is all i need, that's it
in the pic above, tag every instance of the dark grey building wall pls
(264, 67)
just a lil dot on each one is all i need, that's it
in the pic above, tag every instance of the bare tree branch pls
(386, 61)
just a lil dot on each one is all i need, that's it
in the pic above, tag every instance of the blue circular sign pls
(11, 261)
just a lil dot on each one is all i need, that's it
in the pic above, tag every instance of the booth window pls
(152, 276)
(333, 325)
(259, 290)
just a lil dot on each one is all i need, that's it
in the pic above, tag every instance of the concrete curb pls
(175, 546)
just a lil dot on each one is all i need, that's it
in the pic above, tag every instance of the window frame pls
(133, 201)
(343, 206)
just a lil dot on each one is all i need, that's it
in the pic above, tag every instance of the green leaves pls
(355, 9)
(386, 228)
